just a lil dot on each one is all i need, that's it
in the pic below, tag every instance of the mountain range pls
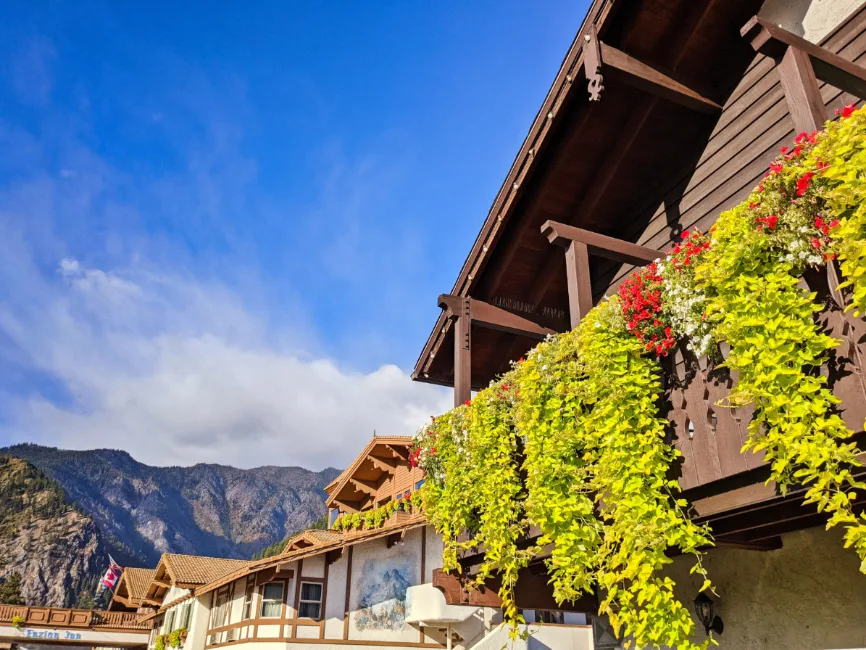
(136, 512)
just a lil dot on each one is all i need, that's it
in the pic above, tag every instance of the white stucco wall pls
(811, 19)
(808, 595)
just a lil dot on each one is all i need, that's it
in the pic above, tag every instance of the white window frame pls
(266, 601)
(307, 601)
(249, 599)
(219, 609)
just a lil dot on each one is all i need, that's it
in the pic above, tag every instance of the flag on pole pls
(112, 575)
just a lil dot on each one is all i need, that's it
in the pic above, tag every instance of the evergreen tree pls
(10, 590)
(84, 600)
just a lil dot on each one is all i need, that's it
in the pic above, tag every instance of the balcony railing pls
(75, 618)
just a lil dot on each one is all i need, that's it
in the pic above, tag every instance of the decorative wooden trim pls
(348, 593)
(399, 452)
(492, 317)
(386, 465)
(592, 64)
(362, 486)
(285, 605)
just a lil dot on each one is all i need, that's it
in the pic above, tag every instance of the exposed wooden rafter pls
(364, 486)
(601, 59)
(400, 452)
(386, 465)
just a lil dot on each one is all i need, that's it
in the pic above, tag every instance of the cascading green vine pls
(478, 492)
(596, 464)
(559, 498)
(840, 157)
(758, 307)
(579, 416)
(630, 460)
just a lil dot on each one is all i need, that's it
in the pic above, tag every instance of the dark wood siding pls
(754, 124)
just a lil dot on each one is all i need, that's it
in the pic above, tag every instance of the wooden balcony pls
(72, 618)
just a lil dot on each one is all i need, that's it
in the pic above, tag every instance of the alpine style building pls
(663, 114)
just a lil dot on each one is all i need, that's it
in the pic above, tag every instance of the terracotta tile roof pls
(198, 570)
(137, 581)
(314, 537)
(335, 541)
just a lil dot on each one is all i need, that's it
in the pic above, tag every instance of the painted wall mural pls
(382, 594)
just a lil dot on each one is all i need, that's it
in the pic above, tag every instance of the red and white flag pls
(112, 575)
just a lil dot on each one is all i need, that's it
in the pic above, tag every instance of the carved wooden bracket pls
(599, 57)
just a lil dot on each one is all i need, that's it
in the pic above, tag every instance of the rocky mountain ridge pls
(136, 512)
(55, 548)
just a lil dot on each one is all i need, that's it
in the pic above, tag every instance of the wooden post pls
(463, 354)
(801, 90)
(579, 287)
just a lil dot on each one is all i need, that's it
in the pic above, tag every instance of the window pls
(311, 600)
(221, 600)
(169, 621)
(248, 599)
(272, 600)
(185, 613)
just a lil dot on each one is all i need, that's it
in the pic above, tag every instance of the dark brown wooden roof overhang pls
(603, 166)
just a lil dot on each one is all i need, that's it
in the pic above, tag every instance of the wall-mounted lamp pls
(705, 609)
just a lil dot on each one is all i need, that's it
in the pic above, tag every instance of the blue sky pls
(224, 225)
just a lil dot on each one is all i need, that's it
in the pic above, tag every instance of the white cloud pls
(178, 372)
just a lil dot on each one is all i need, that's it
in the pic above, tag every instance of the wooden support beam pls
(579, 285)
(602, 58)
(579, 244)
(463, 354)
(610, 248)
(774, 41)
(492, 317)
(334, 555)
(801, 91)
